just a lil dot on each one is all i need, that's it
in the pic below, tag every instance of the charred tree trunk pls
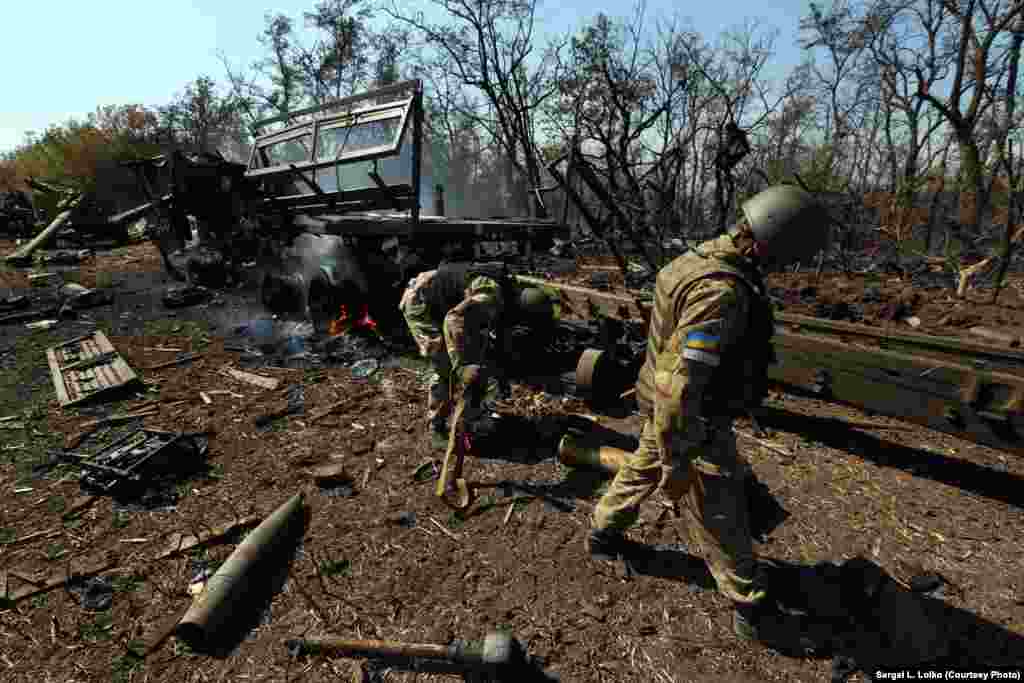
(1006, 248)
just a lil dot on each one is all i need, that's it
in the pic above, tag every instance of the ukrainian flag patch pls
(702, 341)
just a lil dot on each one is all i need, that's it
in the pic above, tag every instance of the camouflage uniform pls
(707, 355)
(449, 312)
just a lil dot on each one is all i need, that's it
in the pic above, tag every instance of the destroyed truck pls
(330, 208)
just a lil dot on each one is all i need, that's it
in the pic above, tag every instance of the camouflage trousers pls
(460, 339)
(710, 488)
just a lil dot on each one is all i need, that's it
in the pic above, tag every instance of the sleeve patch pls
(703, 341)
(712, 359)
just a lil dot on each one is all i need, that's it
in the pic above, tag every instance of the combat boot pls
(606, 544)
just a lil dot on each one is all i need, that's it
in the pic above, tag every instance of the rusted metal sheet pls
(85, 367)
(380, 225)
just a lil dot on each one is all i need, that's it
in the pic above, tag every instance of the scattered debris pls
(186, 295)
(770, 445)
(444, 531)
(180, 543)
(138, 455)
(405, 519)
(65, 257)
(330, 474)
(45, 279)
(177, 361)
(365, 368)
(508, 515)
(75, 297)
(219, 392)
(42, 325)
(94, 593)
(913, 321)
(24, 315)
(340, 405)
(75, 380)
(206, 399)
(294, 404)
(121, 417)
(81, 504)
(31, 537)
(1003, 338)
(250, 378)
(14, 303)
(57, 581)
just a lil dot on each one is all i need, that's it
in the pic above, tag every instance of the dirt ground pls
(380, 558)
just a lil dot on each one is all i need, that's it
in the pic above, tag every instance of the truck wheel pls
(283, 293)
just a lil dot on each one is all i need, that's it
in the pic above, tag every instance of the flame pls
(339, 324)
(344, 322)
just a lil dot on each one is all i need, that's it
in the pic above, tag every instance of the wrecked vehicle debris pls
(86, 367)
(187, 295)
(138, 458)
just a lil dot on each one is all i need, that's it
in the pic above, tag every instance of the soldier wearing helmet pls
(707, 356)
(452, 312)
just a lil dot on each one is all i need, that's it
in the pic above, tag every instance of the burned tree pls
(487, 47)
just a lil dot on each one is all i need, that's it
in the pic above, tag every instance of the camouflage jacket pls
(447, 288)
(711, 316)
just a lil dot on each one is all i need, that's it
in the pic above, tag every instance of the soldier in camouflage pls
(707, 357)
(451, 313)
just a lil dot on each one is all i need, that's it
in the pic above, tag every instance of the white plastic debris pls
(365, 368)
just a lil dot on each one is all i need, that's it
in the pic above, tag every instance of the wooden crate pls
(76, 378)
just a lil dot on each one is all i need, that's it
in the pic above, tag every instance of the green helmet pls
(789, 222)
(534, 304)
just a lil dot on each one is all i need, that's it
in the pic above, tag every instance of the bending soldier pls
(451, 313)
(707, 356)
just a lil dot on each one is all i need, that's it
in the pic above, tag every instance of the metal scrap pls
(137, 456)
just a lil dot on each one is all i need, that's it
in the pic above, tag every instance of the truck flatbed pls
(401, 224)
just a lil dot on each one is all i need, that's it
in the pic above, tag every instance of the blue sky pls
(63, 59)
